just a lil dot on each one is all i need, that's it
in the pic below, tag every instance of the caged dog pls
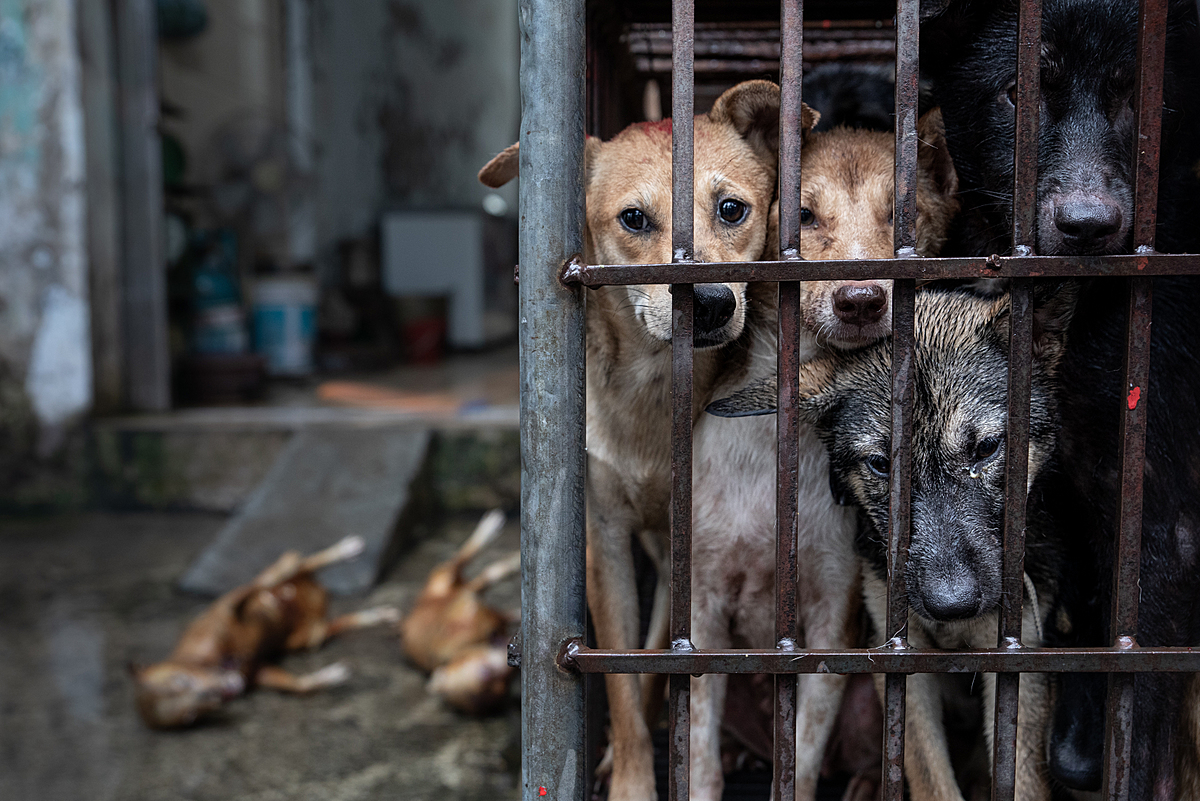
(1085, 208)
(628, 197)
(846, 213)
(952, 580)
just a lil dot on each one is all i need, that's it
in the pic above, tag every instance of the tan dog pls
(846, 213)
(227, 648)
(454, 635)
(628, 191)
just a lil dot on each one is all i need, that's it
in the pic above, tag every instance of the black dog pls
(1085, 208)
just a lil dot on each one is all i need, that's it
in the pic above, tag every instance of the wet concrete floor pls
(82, 596)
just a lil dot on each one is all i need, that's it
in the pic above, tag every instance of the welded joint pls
(1012, 643)
(907, 252)
(567, 653)
(993, 262)
(571, 272)
(1125, 643)
(786, 644)
(1020, 252)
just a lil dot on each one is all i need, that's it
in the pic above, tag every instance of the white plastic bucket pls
(285, 310)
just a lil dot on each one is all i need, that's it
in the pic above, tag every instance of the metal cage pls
(554, 658)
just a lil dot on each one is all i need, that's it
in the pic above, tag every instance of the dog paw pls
(328, 676)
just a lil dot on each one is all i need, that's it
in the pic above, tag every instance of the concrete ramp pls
(326, 483)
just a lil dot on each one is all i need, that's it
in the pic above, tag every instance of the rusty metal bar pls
(1118, 739)
(890, 660)
(682, 297)
(904, 206)
(788, 419)
(930, 269)
(1025, 161)
(552, 399)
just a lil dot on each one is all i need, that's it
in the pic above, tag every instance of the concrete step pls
(326, 483)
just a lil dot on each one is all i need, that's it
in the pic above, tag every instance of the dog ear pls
(752, 108)
(507, 163)
(946, 25)
(503, 168)
(1053, 308)
(757, 397)
(933, 154)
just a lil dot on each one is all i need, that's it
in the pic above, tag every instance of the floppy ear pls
(752, 108)
(507, 163)
(503, 168)
(933, 154)
(1053, 308)
(758, 397)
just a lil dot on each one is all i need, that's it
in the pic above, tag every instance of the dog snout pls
(860, 304)
(1087, 221)
(714, 307)
(950, 593)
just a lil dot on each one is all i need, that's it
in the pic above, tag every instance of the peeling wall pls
(45, 350)
(412, 98)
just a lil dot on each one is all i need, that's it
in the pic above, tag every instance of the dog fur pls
(227, 648)
(1085, 139)
(1084, 175)
(847, 208)
(958, 499)
(628, 195)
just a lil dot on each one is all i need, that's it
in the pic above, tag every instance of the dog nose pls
(1085, 219)
(859, 303)
(713, 308)
(951, 597)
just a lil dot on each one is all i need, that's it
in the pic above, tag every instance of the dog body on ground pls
(846, 202)
(628, 193)
(952, 576)
(1085, 206)
(227, 648)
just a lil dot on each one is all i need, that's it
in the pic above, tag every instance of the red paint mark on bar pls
(1135, 395)
(541, 791)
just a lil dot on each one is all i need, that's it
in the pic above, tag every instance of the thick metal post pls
(552, 398)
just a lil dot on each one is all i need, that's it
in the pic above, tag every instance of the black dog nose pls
(860, 304)
(713, 308)
(952, 597)
(1087, 218)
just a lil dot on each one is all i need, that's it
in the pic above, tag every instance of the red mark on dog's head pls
(1135, 395)
(662, 127)
(541, 791)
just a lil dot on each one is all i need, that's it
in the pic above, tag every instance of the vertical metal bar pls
(788, 416)
(907, 69)
(1118, 739)
(682, 250)
(903, 298)
(552, 398)
(1025, 161)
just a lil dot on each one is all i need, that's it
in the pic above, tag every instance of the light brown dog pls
(628, 192)
(454, 635)
(846, 213)
(227, 649)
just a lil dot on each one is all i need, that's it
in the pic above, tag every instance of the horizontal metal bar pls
(594, 275)
(888, 660)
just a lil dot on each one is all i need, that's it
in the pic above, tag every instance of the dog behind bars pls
(628, 193)
(952, 579)
(1085, 206)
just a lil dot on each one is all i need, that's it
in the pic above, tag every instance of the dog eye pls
(732, 211)
(807, 217)
(879, 465)
(986, 448)
(1011, 94)
(633, 219)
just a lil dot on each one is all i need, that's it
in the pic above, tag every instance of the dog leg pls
(829, 593)
(612, 598)
(710, 629)
(926, 752)
(654, 684)
(276, 678)
(1031, 777)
